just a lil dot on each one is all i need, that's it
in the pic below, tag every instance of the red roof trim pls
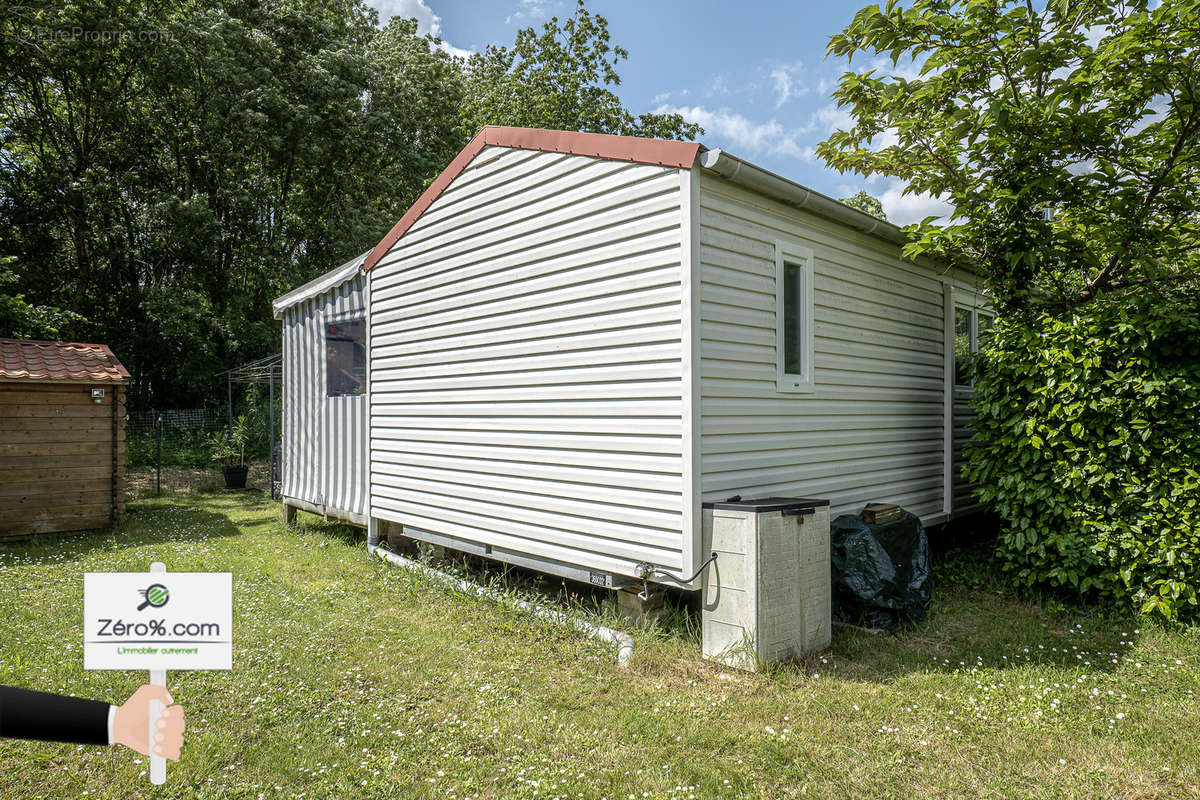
(661, 152)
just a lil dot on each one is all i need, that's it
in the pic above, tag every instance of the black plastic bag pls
(881, 572)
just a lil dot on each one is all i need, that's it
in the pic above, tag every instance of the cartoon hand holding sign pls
(156, 622)
(25, 714)
(131, 723)
(122, 633)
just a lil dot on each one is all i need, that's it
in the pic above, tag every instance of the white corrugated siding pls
(324, 438)
(873, 428)
(526, 388)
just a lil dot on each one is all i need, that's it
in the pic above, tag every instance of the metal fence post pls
(158, 458)
(271, 428)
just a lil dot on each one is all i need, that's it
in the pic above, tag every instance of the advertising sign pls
(157, 621)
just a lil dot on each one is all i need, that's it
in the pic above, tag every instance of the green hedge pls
(1087, 440)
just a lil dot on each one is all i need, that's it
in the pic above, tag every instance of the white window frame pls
(973, 339)
(796, 255)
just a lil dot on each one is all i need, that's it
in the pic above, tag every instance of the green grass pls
(355, 679)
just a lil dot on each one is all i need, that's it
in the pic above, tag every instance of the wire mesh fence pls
(184, 437)
(187, 439)
(176, 421)
(171, 437)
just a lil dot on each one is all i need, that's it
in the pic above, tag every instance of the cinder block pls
(630, 605)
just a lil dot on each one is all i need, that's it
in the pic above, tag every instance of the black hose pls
(665, 574)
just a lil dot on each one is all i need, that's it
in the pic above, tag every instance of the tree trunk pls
(83, 269)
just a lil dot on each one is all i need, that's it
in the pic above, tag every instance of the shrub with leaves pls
(1087, 438)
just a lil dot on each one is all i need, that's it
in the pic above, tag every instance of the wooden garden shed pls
(62, 437)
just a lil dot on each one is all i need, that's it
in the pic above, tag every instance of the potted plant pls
(229, 448)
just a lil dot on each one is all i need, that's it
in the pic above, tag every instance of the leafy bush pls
(180, 448)
(1087, 436)
(229, 446)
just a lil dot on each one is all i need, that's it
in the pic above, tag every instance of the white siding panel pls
(526, 363)
(873, 428)
(324, 438)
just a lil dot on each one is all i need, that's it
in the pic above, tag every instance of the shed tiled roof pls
(29, 360)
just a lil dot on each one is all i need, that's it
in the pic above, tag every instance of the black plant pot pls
(235, 477)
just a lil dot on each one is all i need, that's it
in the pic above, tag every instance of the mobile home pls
(576, 340)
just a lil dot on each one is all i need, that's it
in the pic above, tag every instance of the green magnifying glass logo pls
(155, 595)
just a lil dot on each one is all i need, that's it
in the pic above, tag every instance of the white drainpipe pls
(622, 641)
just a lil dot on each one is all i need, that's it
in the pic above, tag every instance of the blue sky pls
(753, 73)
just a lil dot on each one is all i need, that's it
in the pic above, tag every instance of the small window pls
(345, 357)
(794, 318)
(962, 345)
(972, 328)
(984, 330)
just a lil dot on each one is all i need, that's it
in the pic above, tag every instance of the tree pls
(167, 179)
(558, 79)
(1067, 138)
(168, 167)
(20, 319)
(866, 204)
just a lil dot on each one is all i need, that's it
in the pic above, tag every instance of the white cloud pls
(532, 10)
(829, 118)
(908, 70)
(888, 137)
(728, 127)
(902, 209)
(660, 98)
(1094, 34)
(719, 85)
(827, 85)
(428, 22)
(785, 82)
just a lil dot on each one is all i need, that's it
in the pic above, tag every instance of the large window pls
(345, 357)
(794, 317)
(971, 329)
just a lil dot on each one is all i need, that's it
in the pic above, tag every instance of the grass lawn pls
(355, 679)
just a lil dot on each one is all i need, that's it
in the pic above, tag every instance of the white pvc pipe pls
(622, 641)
